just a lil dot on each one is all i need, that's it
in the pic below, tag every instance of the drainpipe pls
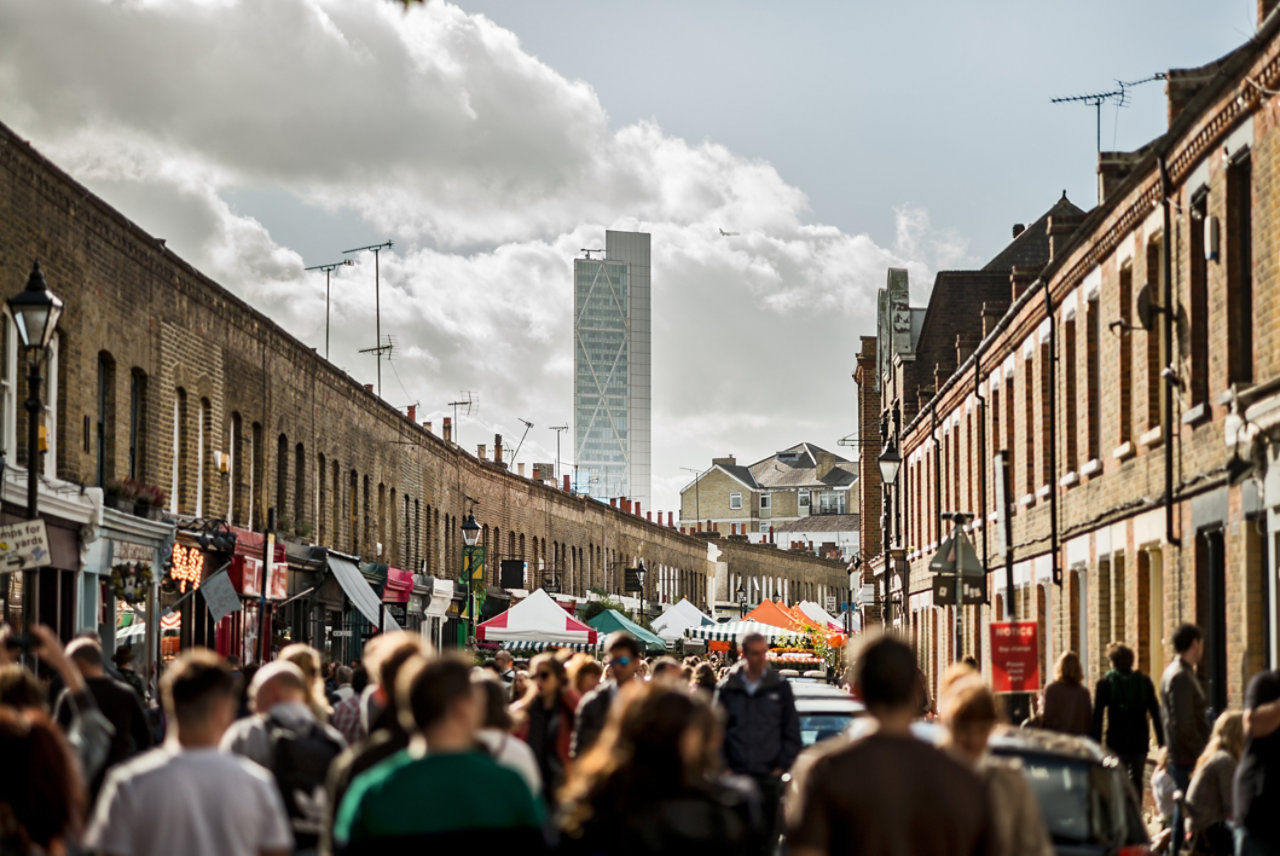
(937, 465)
(1053, 434)
(1166, 351)
(982, 452)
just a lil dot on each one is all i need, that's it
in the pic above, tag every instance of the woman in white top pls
(495, 735)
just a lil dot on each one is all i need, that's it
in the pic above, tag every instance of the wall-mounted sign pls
(23, 546)
(1015, 657)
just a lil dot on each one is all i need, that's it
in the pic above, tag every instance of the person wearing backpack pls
(1127, 697)
(285, 737)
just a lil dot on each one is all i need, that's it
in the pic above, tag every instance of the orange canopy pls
(773, 614)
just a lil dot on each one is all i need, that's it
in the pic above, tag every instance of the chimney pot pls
(648, 515)
(520, 468)
(567, 486)
(613, 502)
(368, 387)
(427, 425)
(447, 428)
(1018, 229)
(671, 519)
(413, 413)
(480, 451)
(637, 508)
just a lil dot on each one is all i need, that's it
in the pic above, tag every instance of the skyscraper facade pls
(611, 369)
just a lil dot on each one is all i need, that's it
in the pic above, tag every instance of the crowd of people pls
(413, 748)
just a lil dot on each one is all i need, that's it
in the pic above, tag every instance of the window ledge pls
(1027, 500)
(1091, 467)
(1196, 414)
(1068, 480)
(1042, 492)
(1152, 438)
(1124, 450)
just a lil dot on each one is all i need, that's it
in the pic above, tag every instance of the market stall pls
(680, 616)
(611, 621)
(536, 619)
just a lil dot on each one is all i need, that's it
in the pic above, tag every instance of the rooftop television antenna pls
(1119, 95)
(527, 426)
(378, 348)
(589, 252)
(469, 400)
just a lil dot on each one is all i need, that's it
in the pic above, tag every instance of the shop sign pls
(188, 567)
(24, 546)
(127, 551)
(278, 581)
(1015, 657)
(398, 612)
(220, 596)
(252, 581)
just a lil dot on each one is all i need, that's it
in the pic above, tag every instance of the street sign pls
(1015, 657)
(866, 594)
(512, 573)
(973, 591)
(945, 560)
(473, 563)
(341, 633)
(631, 580)
(23, 546)
(831, 603)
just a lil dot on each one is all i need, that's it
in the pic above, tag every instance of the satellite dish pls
(1146, 309)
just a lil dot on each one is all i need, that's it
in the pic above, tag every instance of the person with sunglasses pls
(623, 659)
(545, 718)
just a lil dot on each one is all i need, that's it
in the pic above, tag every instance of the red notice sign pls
(1015, 660)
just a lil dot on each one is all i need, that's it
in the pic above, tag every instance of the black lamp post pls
(470, 535)
(742, 601)
(890, 462)
(36, 311)
(640, 571)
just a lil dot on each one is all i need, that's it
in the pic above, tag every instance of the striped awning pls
(732, 631)
(516, 645)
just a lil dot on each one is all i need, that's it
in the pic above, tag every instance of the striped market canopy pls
(732, 631)
(544, 646)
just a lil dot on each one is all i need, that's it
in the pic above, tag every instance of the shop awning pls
(537, 618)
(358, 591)
(441, 597)
(399, 586)
(611, 620)
(734, 630)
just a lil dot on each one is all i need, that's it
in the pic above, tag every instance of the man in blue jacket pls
(762, 731)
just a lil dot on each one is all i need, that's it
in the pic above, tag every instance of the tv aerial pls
(1119, 95)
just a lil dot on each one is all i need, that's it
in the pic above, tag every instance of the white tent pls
(680, 616)
(732, 631)
(537, 618)
(855, 620)
(819, 615)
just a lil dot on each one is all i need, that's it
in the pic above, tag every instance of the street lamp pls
(35, 311)
(640, 570)
(890, 462)
(470, 535)
(742, 601)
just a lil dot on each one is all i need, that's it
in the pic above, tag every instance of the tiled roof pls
(742, 474)
(776, 472)
(1031, 248)
(821, 523)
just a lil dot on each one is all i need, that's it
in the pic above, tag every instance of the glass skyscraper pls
(611, 387)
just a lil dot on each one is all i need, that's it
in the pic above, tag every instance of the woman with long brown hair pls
(1065, 705)
(1209, 798)
(42, 799)
(544, 720)
(650, 784)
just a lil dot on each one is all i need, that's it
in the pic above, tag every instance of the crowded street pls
(716, 428)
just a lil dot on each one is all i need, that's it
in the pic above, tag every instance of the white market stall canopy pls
(819, 615)
(732, 631)
(537, 618)
(679, 617)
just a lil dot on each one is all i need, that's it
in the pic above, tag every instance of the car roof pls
(1023, 741)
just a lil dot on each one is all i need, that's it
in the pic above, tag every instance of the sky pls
(490, 140)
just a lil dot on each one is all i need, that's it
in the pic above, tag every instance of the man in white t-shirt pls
(187, 796)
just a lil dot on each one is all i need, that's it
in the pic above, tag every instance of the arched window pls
(282, 478)
(105, 435)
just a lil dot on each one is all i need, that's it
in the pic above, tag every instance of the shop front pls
(396, 595)
(260, 589)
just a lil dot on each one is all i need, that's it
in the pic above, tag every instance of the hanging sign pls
(24, 546)
(188, 567)
(220, 596)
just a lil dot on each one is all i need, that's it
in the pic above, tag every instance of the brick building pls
(162, 376)
(1131, 383)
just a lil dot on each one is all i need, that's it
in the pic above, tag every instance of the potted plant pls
(303, 531)
(149, 502)
(111, 495)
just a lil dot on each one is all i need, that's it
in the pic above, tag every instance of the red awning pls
(253, 544)
(399, 586)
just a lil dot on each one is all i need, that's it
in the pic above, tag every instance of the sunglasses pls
(620, 661)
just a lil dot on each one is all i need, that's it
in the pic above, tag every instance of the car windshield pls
(820, 726)
(1076, 798)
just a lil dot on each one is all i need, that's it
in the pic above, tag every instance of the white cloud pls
(491, 171)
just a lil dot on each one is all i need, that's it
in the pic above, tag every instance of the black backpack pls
(300, 760)
(1127, 695)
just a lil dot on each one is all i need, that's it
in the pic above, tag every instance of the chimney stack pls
(671, 520)
(497, 448)
(448, 429)
(427, 425)
(613, 502)
(368, 387)
(480, 451)
(520, 469)
(637, 508)
(567, 485)
(1018, 229)
(413, 413)
(648, 515)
